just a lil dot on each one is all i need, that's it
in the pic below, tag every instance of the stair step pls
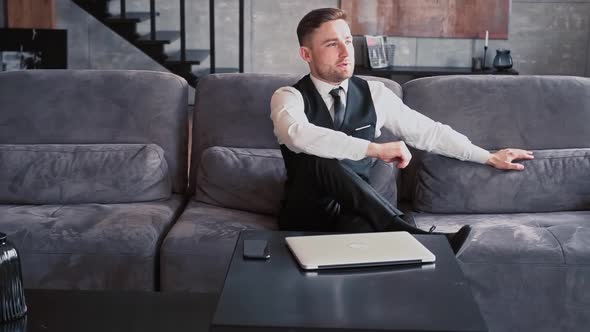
(156, 51)
(134, 17)
(98, 8)
(162, 37)
(192, 56)
(126, 29)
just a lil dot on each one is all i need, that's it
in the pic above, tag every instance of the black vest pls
(359, 113)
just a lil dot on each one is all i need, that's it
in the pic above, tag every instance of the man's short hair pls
(314, 19)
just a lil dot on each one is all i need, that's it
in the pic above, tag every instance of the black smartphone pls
(256, 249)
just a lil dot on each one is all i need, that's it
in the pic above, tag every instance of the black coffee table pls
(125, 311)
(276, 295)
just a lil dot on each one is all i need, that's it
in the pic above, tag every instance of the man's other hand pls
(390, 152)
(504, 158)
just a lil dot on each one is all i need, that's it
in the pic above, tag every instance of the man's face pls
(329, 52)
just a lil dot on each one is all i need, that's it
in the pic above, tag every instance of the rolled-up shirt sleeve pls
(420, 131)
(293, 129)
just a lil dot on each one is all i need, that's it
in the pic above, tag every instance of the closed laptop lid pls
(359, 249)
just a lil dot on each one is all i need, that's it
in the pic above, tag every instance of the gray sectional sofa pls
(528, 260)
(93, 170)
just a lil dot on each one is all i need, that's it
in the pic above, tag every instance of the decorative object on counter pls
(503, 60)
(485, 51)
(17, 325)
(376, 51)
(12, 296)
(389, 51)
(476, 64)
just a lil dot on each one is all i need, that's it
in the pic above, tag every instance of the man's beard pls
(334, 76)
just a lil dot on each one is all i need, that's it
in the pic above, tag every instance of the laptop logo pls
(358, 245)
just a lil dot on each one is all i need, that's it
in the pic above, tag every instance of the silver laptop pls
(360, 249)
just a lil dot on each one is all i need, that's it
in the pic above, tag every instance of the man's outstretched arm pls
(398, 151)
(423, 133)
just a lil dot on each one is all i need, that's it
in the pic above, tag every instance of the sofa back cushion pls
(98, 107)
(242, 178)
(73, 174)
(556, 180)
(233, 110)
(494, 112)
(253, 179)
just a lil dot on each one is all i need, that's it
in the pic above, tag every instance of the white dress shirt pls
(293, 129)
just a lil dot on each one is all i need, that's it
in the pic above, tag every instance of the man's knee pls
(315, 160)
(318, 165)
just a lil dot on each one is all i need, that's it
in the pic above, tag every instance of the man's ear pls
(305, 54)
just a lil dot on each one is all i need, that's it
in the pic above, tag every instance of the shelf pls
(428, 71)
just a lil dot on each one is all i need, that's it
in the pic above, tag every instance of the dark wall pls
(2, 14)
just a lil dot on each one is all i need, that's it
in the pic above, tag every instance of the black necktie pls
(338, 108)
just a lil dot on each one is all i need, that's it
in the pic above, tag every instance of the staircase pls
(153, 44)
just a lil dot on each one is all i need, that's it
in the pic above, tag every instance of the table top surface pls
(277, 295)
(125, 311)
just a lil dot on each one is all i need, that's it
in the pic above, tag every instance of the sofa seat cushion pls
(520, 265)
(197, 250)
(528, 238)
(89, 246)
(82, 173)
(556, 180)
(253, 179)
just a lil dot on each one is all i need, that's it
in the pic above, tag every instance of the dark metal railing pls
(123, 9)
(153, 19)
(212, 35)
(211, 30)
(241, 37)
(182, 33)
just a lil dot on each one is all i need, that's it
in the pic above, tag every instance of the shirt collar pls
(325, 88)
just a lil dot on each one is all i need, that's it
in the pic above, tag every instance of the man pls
(326, 124)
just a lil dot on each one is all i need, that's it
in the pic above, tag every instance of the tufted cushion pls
(205, 234)
(556, 180)
(90, 246)
(80, 106)
(533, 238)
(87, 173)
(244, 179)
(498, 111)
(253, 179)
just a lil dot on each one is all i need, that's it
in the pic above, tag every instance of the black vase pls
(17, 325)
(12, 295)
(503, 60)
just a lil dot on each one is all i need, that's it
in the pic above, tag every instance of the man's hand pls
(390, 152)
(503, 159)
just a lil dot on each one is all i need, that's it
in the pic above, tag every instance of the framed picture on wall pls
(429, 18)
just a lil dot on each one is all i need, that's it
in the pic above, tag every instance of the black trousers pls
(329, 196)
